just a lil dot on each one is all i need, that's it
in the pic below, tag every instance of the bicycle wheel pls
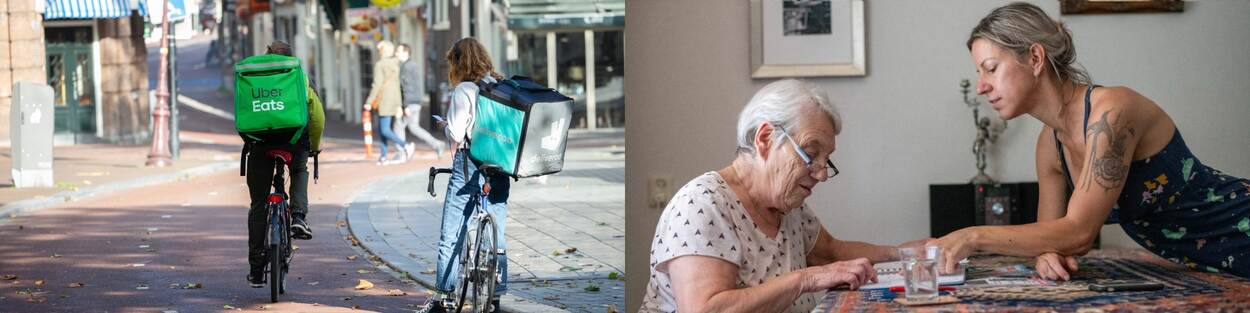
(275, 253)
(463, 283)
(275, 271)
(486, 263)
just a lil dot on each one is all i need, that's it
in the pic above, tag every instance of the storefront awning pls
(544, 15)
(91, 9)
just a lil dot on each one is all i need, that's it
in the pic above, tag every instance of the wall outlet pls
(660, 190)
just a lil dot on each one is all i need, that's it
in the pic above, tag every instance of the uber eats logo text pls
(271, 105)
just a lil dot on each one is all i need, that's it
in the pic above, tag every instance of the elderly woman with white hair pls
(741, 239)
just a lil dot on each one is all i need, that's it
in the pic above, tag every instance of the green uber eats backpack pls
(270, 99)
(521, 127)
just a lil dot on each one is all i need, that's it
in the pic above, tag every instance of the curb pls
(31, 205)
(359, 207)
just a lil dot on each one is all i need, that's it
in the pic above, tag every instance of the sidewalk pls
(566, 244)
(85, 170)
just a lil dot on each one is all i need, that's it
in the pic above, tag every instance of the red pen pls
(942, 288)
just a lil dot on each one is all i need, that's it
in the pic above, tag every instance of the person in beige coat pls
(385, 97)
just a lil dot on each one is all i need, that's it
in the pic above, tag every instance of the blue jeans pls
(388, 135)
(464, 190)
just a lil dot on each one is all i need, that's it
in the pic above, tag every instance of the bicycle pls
(278, 248)
(479, 263)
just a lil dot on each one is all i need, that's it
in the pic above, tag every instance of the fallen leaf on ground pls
(142, 287)
(363, 272)
(193, 286)
(264, 307)
(228, 307)
(397, 292)
(356, 307)
(613, 275)
(314, 283)
(592, 288)
(342, 223)
(569, 269)
(55, 256)
(612, 308)
(428, 272)
(39, 283)
(363, 285)
(352, 257)
(552, 298)
(570, 250)
(76, 285)
(9, 277)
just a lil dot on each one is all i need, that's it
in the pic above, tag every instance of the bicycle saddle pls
(281, 154)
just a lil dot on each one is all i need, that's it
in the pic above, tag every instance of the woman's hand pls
(955, 247)
(914, 244)
(1053, 266)
(853, 273)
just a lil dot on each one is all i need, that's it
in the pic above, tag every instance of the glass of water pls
(920, 272)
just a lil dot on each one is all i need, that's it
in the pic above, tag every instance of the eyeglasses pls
(807, 160)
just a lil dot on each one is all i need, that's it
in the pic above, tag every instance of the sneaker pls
(494, 305)
(433, 305)
(382, 160)
(409, 149)
(299, 228)
(256, 279)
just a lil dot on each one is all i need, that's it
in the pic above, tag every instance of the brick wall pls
(21, 52)
(124, 80)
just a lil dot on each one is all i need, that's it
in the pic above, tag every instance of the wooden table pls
(1186, 291)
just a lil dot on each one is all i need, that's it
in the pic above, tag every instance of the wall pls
(21, 29)
(123, 79)
(906, 126)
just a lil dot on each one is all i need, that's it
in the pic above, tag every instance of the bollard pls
(367, 121)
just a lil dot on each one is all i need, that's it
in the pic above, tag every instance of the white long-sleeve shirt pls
(460, 115)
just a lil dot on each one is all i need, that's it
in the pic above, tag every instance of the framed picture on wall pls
(1119, 6)
(807, 38)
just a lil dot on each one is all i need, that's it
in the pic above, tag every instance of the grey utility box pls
(30, 132)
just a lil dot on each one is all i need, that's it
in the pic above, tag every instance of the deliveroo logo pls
(271, 105)
(553, 140)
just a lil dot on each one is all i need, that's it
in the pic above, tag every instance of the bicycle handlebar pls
(434, 171)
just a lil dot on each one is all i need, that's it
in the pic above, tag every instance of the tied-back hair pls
(1019, 25)
(469, 62)
(279, 47)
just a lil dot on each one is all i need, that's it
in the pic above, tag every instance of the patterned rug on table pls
(1185, 291)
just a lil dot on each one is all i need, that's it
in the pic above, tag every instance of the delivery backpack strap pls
(243, 158)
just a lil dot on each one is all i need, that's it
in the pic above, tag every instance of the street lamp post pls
(159, 154)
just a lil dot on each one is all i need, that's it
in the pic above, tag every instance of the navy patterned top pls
(1182, 210)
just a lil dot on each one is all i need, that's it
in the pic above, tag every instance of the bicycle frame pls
(477, 270)
(279, 230)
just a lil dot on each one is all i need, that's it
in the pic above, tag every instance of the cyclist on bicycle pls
(260, 176)
(469, 63)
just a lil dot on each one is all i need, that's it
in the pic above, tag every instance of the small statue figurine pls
(987, 133)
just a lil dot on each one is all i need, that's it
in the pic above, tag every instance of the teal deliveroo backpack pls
(521, 127)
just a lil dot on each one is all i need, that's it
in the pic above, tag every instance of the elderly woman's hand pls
(1053, 266)
(853, 273)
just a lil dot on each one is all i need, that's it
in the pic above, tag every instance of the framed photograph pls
(1119, 6)
(807, 38)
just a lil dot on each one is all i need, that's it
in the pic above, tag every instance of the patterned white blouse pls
(706, 218)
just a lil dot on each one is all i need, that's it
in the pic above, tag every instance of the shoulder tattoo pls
(1106, 165)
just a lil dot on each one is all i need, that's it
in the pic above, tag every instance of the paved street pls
(115, 235)
(566, 244)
